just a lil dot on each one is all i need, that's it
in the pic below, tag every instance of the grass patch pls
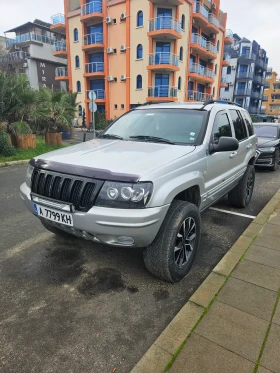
(41, 148)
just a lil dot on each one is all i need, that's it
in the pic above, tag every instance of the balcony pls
(58, 23)
(263, 110)
(162, 93)
(94, 69)
(165, 27)
(245, 75)
(59, 48)
(198, 96)
(15, 57)
(100, 95)
(243, 92)
(228, 37)
(266, 86)
(200, 14)
(93, 41)
(265, 98)
(226, 59)
(203, 47)
(224, 81)
(258, 79)
(29, 37)
(170, 2)
(163, 61)
(256, 95)
(259, 63)
(247, 57)
(213, 24)
(201, 73)
(92, 12)
(269, 70)
(254, 110)
(61, 73)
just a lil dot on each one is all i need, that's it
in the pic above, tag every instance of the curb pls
(168, 345)
(14, 163)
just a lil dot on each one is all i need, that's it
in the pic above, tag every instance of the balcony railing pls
(254, 110)
(59, 46)
(263, 110)
(229, 34)
(94, 67)
(163, 58)
(266, 86)
(201, 70)
(29, 37)
(58, 18)
(265, 66)
(245, 75)
(227, 57)
(224, 79)
(164, 23)
(198, 96)
(200, 9)
(92, 7)
(258, 79)
(204, 43)
(248, 56)
(213, 20)
(243, 92)
(265, 98)
(256, 95)
(269, 70)
(61, 71)
(100, 94)
(15, 56)
(259, 62)
(96, 38)
(162, 91)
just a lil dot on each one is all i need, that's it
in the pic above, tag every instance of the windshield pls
(266, 131)
(179, 126)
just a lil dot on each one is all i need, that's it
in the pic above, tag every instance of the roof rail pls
(209, 102)
(155, 102)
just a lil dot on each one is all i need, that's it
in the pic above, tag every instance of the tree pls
(84, 119)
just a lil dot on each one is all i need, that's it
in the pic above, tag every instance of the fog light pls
(123, 240)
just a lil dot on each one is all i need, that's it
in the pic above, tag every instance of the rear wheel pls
(172, 253)
(241, 195)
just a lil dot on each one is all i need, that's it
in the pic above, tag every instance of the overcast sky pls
(253, 19)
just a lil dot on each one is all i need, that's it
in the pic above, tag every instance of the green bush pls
(20, 129)
(6, 149)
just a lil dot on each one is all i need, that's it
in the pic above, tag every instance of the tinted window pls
(221, 127)
(239, 125)
(266, 131)
(249, 123)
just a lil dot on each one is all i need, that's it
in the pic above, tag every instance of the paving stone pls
(226, 265)
(274, 219)
(200, 355)
(261, 218)
(270, 230)
(208, 289)
(233, 329)
(258, 274)
(264, 256)
(271, 356)
(263, 370)
(179, 328)
(253, 230)
(271, 242)
(270, 207)
(241, 245)
(154, 360)
(276, 318)
(249, 298)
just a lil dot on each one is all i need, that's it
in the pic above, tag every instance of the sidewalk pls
(231, 324)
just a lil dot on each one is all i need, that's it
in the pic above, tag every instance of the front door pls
(161, 85)
(164, 17)
(162, 53)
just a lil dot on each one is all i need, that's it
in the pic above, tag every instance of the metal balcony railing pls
(96, 38)
(29, 37)
(15, 56)
(256, 95)
(254, 110)
(100, 94)
(58, 18)
(258, 79)
(164, 23)
(59, 46)
(61, 71)
(163, 58)
(198, 96)
(259, 62)
(263, 110)
(265, 98)
(245, 75)
(224, 79)
(162, 91)
(92, 7)
(200, 9)
(213, 20)
(248, 56)
(94, 67)
(227, 57)
(229, 34)
(201, 70)
(243, 92)
(204, 43)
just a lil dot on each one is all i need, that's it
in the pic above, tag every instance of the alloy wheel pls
(185, 242)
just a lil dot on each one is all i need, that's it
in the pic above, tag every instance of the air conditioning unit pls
(212, 36)
(213, 6)
(109, 20)
(233, 67)
(123, 16)
(123, 48)
(110, 50)
(123, 77)
(110, 78)
(25, 64)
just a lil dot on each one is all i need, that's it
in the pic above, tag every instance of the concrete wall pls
(228, 95)
(216, 84)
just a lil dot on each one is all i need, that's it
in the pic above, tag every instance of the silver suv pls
(145, 180)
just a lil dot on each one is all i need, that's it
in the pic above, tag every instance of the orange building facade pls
(133, 51)
(272, 93)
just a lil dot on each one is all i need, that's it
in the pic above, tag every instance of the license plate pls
(53, 215)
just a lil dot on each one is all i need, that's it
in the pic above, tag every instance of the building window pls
(181, 54)
(227, 88)
(183, 22)
(79, 89)
(218, 45)
(229, 70)
(140, 18)
(179, 83)
(76, 34)
(80, 111)
(77, 62)
(122, 106)
(216, 68)
(139, 52)
(115, 106)
(139, 82)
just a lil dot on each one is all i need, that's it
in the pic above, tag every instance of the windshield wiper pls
(152, 138)
(110, 136)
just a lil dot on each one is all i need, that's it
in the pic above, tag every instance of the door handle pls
(249, 146)
(234, 154)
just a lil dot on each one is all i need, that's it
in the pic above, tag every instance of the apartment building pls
(133, 51)
(245, 74)
(30, 51)
(272, 93)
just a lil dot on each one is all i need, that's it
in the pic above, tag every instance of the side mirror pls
(225, 144)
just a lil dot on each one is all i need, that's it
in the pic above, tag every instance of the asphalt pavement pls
(74, 306)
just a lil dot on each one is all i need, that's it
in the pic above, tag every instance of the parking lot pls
(74, 306)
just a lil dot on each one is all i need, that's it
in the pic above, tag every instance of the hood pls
(266, 142)
(112, 159)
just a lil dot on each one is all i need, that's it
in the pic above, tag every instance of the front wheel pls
(241, 195)
(276, 160)
(172, 253)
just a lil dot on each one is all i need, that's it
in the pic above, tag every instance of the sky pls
(254, 19)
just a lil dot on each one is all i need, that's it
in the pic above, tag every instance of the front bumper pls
(265, 159)
(108, 225)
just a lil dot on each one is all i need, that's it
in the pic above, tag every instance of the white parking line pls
(233, 213)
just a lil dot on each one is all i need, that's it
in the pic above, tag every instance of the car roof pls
(187, 105)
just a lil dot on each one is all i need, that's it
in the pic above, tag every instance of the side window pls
(221, 127)
(249, 123)
(239, 125)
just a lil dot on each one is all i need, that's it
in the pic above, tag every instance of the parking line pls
(233, 213)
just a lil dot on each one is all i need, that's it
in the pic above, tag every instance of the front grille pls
(81, 192)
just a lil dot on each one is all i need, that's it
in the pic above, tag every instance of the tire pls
(160, 257)
(56, 231)
(241, 195)
(276, 160)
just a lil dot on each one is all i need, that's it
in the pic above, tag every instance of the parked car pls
(146, 179)
(268, 152)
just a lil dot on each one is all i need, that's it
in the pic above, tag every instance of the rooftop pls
(37, 23)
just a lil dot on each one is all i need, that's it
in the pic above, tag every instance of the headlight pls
(267, 150)
(124, 195)
(29, 176)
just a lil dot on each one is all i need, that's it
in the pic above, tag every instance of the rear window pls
(266, 131)
(239, 125)
(248, 122)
